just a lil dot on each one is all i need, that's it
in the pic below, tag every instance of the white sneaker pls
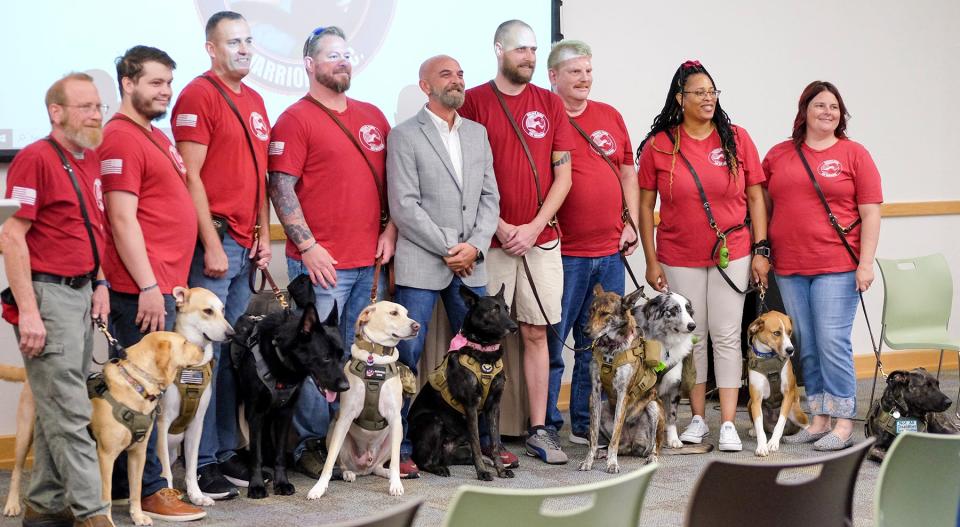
(579, 440)
(695, 431)
(729, 440)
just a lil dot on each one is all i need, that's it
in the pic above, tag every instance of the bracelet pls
(98, 283)
(308, 249)
(149, 287)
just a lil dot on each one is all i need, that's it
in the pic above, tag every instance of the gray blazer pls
(431, 209)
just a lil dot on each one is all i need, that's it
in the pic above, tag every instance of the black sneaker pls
(214, 485)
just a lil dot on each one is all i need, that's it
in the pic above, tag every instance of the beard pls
(143, 106)
(451, 97)
(514, 75)
(83, 136)
(330, 81)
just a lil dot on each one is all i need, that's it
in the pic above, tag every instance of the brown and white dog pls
(772, 382)
(361, 451)
(24, 438)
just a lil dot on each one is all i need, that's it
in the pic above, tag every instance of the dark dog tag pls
(191, 376)
(377, 373)
(908, 424)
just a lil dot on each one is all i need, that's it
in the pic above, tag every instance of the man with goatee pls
(444, 200)
(51, 254)
(327, 163)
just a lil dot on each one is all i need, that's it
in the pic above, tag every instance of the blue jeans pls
(580, 274)
(311, 415)
(420, 304)
(823, 308)
(220, 437)
(123, 327)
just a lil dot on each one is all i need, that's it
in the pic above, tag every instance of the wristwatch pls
(762, 248)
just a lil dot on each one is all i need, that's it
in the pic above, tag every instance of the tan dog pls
(137, 383)
(24, 438)
(363, 445)
(772, 382)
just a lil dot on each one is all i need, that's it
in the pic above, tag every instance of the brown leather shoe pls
(100, 520)
(167, 504)
(32, 518)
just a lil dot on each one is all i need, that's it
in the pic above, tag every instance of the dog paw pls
(762, 450)
(284, 489)
(613, 468)
(651, 459)
(773, 446)
(674, 443)
(485, 475)
(441, 471)
(507, 473)
(396, 488)
(349, 476)
(141, 519)
(200, 500)
(317, 491)
(586, 466)
(12, 509)
(256, 492)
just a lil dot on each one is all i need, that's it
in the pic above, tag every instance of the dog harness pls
(769, 365)
(483, 371)
(280, 393)
(191, 383)
(139, 424)
(644, 375)
(888, 421)
(373, 377)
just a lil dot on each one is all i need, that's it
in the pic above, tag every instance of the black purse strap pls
(841, 231)
(83, 208)
(121, 117)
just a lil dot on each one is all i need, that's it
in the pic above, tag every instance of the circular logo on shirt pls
(717, 158)
(604, 140)
(98, 193)
(259, 126)
(372, 138)
(177, 160)
(830, 168)
(536, 124)
(279, 30)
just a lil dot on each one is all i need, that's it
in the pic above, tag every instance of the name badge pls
(908, 424)
(377, 373)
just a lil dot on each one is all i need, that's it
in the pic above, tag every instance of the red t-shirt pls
(591, 215)
(684, 236)
(57, 240)
(337, 193)
(540, 115)
(801, 238)
(201, 115)
(130, 162)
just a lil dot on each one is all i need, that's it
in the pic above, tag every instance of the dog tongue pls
(330, 395)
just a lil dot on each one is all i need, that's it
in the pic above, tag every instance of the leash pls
(114, 345)
(536, 296)
(376, 279)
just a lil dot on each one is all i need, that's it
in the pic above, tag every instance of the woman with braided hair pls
(692, 155)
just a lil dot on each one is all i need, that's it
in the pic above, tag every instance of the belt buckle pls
(76, 282)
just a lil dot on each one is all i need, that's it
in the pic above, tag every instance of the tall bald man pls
(531, 191)
(444, 200)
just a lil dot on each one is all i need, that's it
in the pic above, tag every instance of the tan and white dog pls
(24, 438)
(363, 445)
(772, 382)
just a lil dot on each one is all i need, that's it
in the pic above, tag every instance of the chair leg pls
(957, 402)
(940, 365)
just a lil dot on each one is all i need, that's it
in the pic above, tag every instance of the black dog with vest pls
(444, 417)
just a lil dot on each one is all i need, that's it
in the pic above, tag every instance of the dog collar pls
(135, 384)
(373, 347)
(761, 354)
(460, 341)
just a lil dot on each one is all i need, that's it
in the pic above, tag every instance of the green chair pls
(919, 482)
(613, 502)
(917, 300)
(399, 516)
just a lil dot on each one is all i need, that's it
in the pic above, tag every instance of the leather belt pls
(76, 282)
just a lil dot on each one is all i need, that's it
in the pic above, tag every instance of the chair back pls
(918, 295)
(614, 502)
(738, 493)
(400, 516)
(919, 482)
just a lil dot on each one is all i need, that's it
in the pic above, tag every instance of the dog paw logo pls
(830, 168)
(177, 160)
(98, 192)
(604, 140)
(536, 124)
(717, 158)
(280, 27)
(372, 138)
(259, 126)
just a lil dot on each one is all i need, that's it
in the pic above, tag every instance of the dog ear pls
(597, 290)
(163, 356)
(364, 317)
(334, 317)
(301, 291)
(181, 295)
(503, 287)
(631, 299)
(898, 377)
(755, 327)
(309, 319)
(468, 296)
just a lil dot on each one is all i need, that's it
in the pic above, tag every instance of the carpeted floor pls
(664, 506)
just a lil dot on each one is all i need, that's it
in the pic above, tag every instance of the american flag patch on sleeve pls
(276, 148)
(111, 166)
(186, 119)
(26, 196)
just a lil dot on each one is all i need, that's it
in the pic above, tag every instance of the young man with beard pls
(327, 188)
(527, 234)
(594, 231)
(226, 164)
(50, 261)
(153, 231)
(443, 197)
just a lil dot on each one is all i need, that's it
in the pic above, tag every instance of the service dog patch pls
(376, 373)
(908, 424)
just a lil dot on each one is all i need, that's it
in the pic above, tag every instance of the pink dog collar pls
(459, 341)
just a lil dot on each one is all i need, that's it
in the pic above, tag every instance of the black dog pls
(273, 355)
(443, 420)
(912, 401)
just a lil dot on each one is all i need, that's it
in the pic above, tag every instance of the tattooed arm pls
(319, 263)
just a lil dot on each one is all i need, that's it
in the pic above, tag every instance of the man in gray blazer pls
(444, 201)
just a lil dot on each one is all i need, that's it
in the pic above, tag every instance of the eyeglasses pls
(703, 94)
(89, 108)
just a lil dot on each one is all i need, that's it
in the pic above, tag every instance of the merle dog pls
(291, 344)
(909, 395)
(438, 431)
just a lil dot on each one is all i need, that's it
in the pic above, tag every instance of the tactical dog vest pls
(373, 377)
(139, 424)
(769, 367)
(484, 372)
(190, 382)
(887, 421)
(644, 376)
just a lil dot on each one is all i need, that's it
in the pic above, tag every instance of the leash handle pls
(376, 279)
(118, 350)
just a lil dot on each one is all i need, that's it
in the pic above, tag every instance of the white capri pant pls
(717, 310)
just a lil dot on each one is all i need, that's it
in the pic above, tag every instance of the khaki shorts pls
(547, 269)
